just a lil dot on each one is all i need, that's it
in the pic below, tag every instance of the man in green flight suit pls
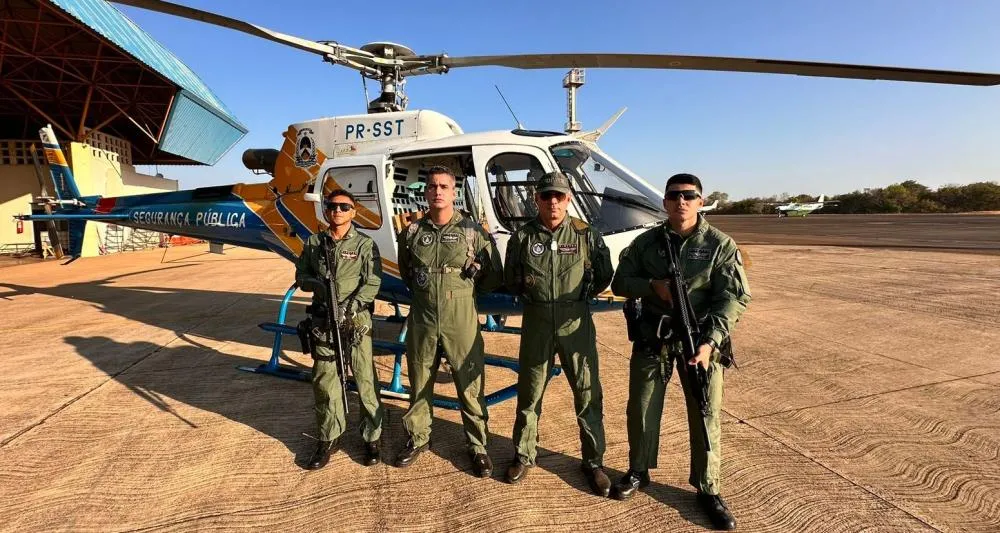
(718, 290)
(446, 259)
(358, 276)
(555, 264)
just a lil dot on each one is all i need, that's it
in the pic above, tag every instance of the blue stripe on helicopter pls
(300, 229)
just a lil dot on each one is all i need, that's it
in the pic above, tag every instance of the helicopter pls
(382, 156)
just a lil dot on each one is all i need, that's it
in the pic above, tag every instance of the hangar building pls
(115, 97)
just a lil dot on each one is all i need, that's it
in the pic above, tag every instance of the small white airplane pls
(711, 207)
(794, 209)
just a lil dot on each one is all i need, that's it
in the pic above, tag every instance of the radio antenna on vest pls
(519, 125)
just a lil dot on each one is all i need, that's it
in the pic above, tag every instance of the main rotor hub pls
(387, 50)
(390, 76)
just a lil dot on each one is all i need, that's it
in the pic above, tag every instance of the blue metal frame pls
(395, 389)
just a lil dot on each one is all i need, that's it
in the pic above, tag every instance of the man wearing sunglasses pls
(556, 264)
(719, 293)
(358, 275)
(446, 259)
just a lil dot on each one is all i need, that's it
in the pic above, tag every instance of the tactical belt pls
(662, 323)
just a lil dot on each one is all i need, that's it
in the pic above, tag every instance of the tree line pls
(906, 197)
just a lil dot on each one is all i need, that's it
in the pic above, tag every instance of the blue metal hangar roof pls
(84, 65)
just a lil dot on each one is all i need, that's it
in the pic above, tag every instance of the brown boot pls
(410, 453)
(516, 471)
(598, 480)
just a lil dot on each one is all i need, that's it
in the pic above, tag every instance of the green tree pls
(722, 197)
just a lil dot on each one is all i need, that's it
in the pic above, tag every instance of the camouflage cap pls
(553, 181)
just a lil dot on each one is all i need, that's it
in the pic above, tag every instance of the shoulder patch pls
(580, 226)
(411, 230)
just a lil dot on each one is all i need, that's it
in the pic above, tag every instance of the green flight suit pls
(549, 271)
(719, 292)
(433, 263)
(358, 267)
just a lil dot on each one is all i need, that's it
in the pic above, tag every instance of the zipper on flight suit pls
(440, 280)
(552, 276)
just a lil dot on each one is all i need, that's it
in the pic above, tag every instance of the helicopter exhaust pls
(260, 159)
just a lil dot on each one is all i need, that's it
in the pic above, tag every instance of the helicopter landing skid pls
(395, 389)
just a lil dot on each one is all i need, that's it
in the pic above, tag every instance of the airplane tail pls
(62, 176)
(821, 198)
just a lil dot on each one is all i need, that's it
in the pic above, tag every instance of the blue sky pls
(745, 134)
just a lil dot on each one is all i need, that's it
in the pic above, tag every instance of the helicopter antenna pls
(519, 125)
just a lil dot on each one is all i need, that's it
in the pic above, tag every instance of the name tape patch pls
(699, 254)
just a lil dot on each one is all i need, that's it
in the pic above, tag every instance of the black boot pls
(324, 449)
(597, 479)
(516, 471)
(629, 483)
(482, 466)
(410, 453)
(717, 510)
(373, 453)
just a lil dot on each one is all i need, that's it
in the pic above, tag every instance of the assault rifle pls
(335, 319)
(683, 326)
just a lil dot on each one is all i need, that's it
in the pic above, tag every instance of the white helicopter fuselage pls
(383, 159)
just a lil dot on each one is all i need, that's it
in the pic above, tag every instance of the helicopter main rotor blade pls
(729, 64)
(178, 10)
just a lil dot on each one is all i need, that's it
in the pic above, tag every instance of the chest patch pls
(537, 249)
(699, 254)
(426, 239)
(350, 255)
(569, 249)
(449, 238)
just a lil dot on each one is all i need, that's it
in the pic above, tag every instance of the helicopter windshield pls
(600, 194)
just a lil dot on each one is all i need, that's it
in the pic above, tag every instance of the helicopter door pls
(362, 176)
(510, 173)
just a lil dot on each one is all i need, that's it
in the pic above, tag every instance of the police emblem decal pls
(537, 249)
(305, 151)
(426, 239)
(422, 278)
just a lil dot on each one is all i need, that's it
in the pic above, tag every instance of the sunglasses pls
(549, 195)
(688, 195)
(337, 206)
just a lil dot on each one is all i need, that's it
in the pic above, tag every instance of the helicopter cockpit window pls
(511, 178)
(603, 197)
(362, 182)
